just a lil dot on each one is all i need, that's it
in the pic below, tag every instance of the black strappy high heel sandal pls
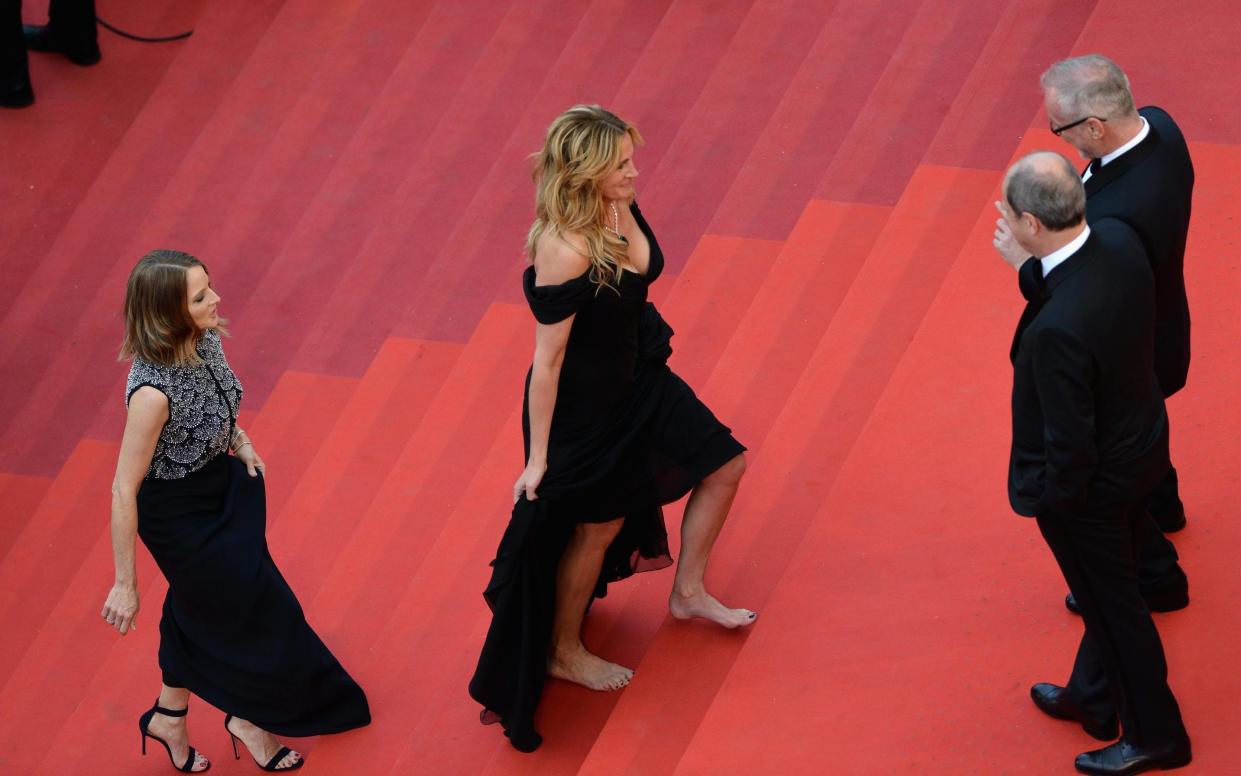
(145, 720)
(273, 762)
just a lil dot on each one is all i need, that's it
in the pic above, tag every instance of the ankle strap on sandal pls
(170, 712)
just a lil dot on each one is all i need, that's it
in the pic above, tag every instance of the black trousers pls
(73, 21)
(12, 44)
(1098, 553)
(1159, 568)
(1165, 499)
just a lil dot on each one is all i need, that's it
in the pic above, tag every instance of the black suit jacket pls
(1149, 188)
(1089, 427)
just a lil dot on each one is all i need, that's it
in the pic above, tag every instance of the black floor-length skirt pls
(663, 443)
(232, 631)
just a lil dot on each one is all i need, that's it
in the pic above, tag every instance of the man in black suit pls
(1090, 441)
(1140, 173)
(70, 30)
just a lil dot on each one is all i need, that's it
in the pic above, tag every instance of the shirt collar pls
(1138, 138)
(1058, 256)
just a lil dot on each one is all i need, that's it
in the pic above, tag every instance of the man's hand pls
(1005, 244)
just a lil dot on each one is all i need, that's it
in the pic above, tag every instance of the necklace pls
(616, 222)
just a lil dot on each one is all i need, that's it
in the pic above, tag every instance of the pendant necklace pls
(616, 223)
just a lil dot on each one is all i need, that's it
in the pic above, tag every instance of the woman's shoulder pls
(145, 374)
(559, 282)
(148, 399)
(141, 369)
(559, 257)
(165, 376)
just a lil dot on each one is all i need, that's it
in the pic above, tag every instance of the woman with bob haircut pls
(232, 632)
(611, 434)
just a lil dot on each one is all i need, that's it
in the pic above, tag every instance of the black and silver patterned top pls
(202, 408)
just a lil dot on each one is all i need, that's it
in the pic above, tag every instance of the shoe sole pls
(1166, 765)
(1157, 604)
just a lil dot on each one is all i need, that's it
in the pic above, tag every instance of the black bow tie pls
(1094, 166)
(1031, 281)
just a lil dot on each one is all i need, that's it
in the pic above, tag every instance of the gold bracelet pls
(243, 444)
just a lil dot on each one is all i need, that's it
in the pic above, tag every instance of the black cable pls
(131, 36)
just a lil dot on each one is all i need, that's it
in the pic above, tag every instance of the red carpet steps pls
(821, 179)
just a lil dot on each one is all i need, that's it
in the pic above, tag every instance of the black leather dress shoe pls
(1161, 601)
(80, 52)
(1123, 758)
(1054, 701)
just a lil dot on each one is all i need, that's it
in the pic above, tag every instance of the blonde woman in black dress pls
(611, 434)
(232, 632)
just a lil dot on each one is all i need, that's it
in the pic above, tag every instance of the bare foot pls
(173, 731)
(589, 670)
(703, 604)
(261, 744)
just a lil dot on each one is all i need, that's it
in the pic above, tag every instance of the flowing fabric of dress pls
(627, 436)
(232, 632)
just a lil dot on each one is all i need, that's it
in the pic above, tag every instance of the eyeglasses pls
(1057, 130)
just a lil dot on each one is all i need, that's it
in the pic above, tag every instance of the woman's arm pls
(549, 346)
(148, 412)
(243, 448)
(559, 259)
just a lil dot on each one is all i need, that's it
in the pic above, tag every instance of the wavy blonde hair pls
(158, 325)
(582, 148)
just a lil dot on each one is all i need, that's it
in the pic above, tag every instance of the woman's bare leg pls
(704, 517)
(174, 730)
(568, 658)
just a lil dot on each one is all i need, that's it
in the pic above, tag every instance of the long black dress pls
(627, 436)
(232, 632)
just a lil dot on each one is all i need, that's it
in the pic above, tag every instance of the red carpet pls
(820, 175)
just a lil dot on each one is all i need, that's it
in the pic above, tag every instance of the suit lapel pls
(1038, 290)
(1027, 317)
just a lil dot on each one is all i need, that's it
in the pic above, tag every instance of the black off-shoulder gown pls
(627, 437)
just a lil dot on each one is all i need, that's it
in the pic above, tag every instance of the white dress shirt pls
(1113, 156)
(1058, 256)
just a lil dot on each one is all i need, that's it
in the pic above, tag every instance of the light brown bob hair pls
(158, 326)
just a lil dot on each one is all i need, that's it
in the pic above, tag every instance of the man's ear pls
(1031, 223)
